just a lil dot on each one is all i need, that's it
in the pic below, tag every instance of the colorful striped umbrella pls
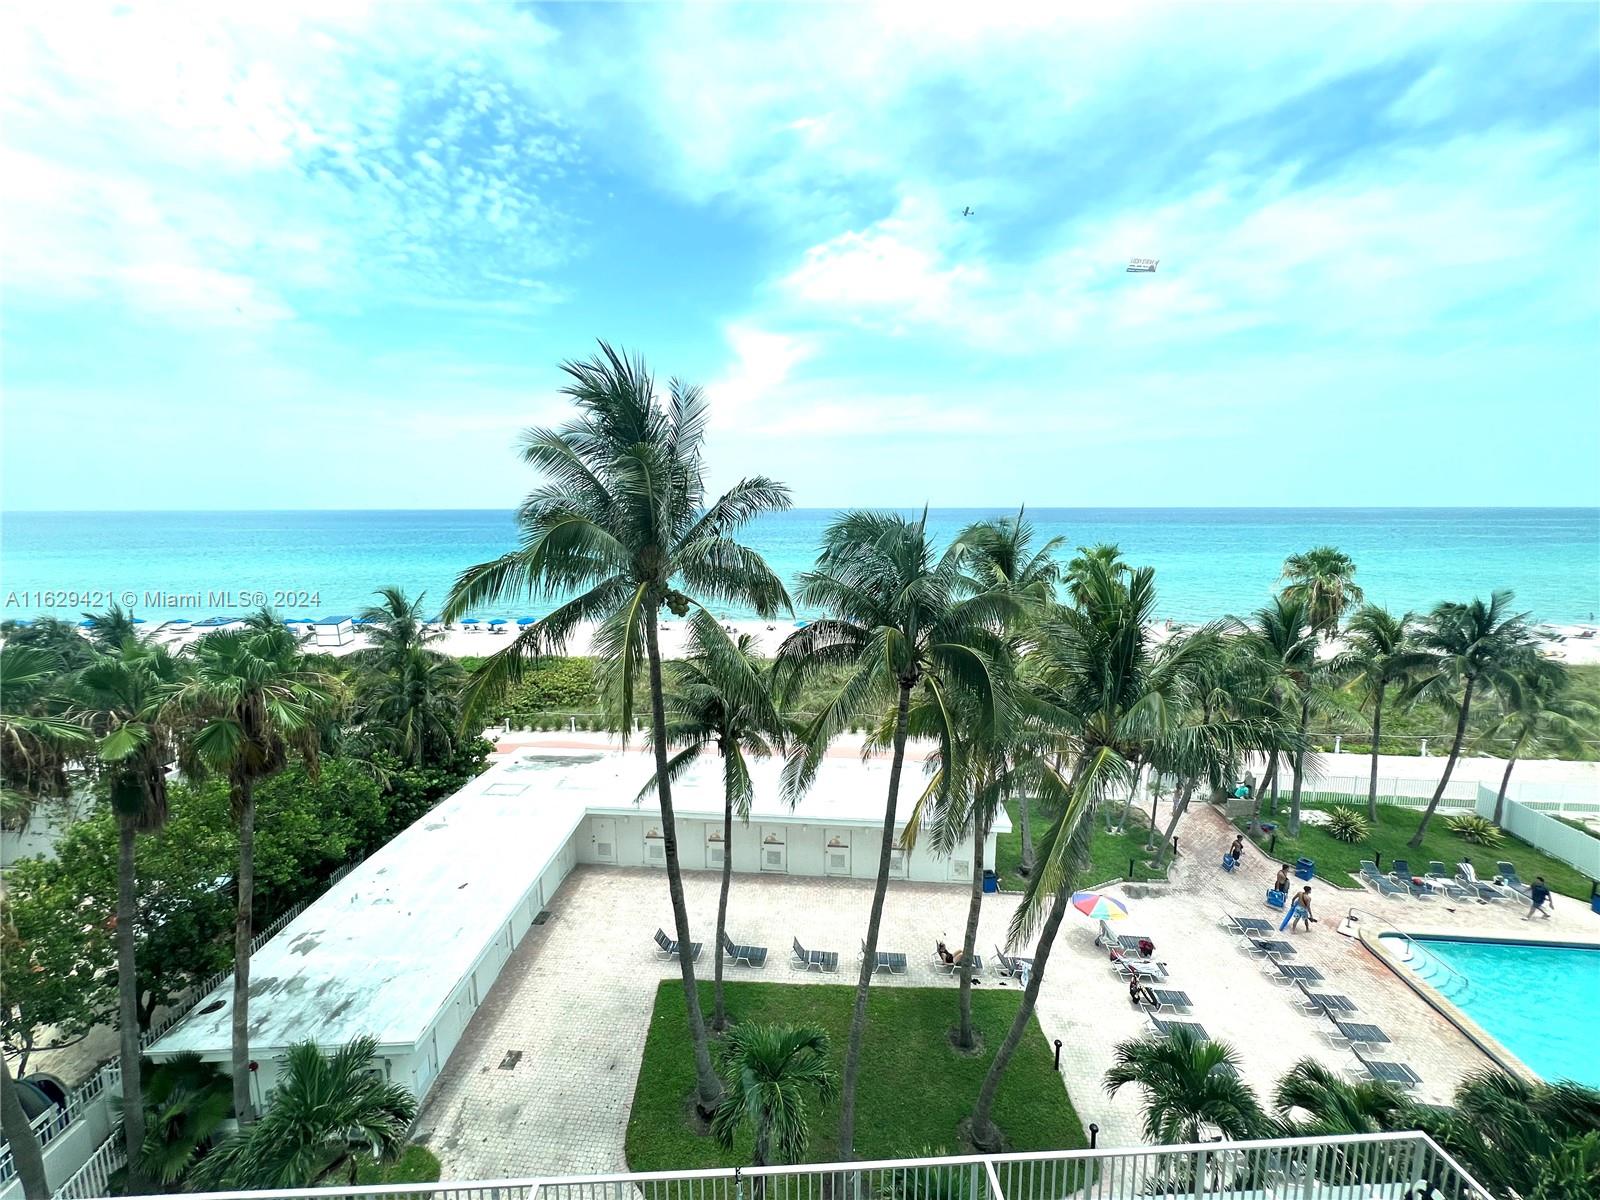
(1100, 908)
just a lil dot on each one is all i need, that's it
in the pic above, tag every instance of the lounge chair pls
(1510, 878)
(1397, 1073)
(1127, 942)
(1447, 885)
(1167, 1028)
(821, 960)
(954, 964)
(754, 957)
(1371, 876)
(1288, 973)
(1143, 968)
(1325, 1004)
(669, 948)
(887, 960)
(1012, 965)
(1468, 878)
(1166, 998)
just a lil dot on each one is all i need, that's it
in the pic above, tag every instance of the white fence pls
(1546, 833)
(1392, 789)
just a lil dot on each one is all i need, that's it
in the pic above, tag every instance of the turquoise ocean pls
(1208, 561)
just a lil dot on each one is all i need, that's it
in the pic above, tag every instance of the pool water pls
(1538, 1001)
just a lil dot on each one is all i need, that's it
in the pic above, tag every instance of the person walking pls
(1539, 899)
(1301, 913)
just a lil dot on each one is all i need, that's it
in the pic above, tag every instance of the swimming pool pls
(1538, 1000)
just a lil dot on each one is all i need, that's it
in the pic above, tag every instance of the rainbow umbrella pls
(1098, 907)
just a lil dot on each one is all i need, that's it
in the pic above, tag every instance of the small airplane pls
(1142, 266)
(967, 212)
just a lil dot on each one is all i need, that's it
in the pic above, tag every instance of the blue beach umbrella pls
(362, 621)
(799, 624)
(499, 621)
(526, 620)
(472, 621)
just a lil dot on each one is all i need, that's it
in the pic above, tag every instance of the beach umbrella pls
(526, 620)
(87, 624)
(499, 621)
(471, 621)
(799, 624)
(1099, 907)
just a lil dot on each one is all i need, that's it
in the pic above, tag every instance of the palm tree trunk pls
(1505, 780)
(1449, 764)
(1299, 768)
(128, 1008)
(1180, 805)
(1025, 808)
(708, 1090)
(719, 1016)
(245, 806)
(1269, 779)
(969, 941)
(985, 1135)
(25, 1151)
(869, 956)
(1377, 733)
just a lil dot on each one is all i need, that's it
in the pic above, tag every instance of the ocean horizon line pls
(902, 508)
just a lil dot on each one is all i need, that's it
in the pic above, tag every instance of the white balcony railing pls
(1384, 1166)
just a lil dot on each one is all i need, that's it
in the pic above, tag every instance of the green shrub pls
(1347, 825)
(1479, 831)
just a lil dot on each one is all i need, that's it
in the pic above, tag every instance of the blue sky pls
(277, 256)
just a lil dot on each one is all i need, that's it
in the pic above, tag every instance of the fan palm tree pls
(769, 1070)
(1542, 714)
(622, 522)
(252, 699)
(1285, 642)
(1323, 581)
(39, 738)
(187, 1103)
(1333, 1106)
(122, 698)
(326, 1113)
(904, 622)
(1380, 656)
(719, 699)
(1471, 645)
(26, 1152)
(1190, 1084)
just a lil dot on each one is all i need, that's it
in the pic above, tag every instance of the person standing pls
(1302, 909)
(1539, 899)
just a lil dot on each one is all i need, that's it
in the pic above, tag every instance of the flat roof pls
(383, 949)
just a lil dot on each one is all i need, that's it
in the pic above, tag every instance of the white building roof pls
(382, 951)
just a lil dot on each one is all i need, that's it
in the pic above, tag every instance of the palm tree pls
(1323, 580)
(768, 1070)
(1541, 714)
(325, 1113)
(123, 699)
(409, 702)
(112, 629)
(253, 699)
(719, 699)
(39, 738)
(1284, 640)
(1333, 1106)
(26, 1152)
(905, 621)
(622, 522)
(1526, 1139)
(1190, 1084)
(1471, 644)
(187, 1103)
(394, 626)
(1380, 656)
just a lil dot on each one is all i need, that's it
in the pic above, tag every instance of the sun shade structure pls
(334, 631)
(1142, 266)
(1101, 908)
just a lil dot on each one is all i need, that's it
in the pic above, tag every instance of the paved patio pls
(576, 998)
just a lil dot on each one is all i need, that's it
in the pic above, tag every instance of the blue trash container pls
(1305, 868)
(991, 882)
(1594, 897)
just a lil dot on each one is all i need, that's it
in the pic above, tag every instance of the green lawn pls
(1109, 853)
(915, 1089)
(1395, 826)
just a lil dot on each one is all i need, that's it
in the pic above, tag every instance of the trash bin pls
(1305, 868)
(1594, 897)
(991, 882)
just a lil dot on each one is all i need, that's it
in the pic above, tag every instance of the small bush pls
(1479, 831)
(1347, 825)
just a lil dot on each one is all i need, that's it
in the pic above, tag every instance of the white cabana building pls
(407, 945)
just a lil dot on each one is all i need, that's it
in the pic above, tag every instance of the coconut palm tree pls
(1542, 714)
(327, 1113)
(1323, 580)
(905, 622)
(394, 627)
(1526, 1139)
(112, 629)
(1190, 1084)
(1380, 656)
(621, 522)
(122, 697)
(769, 1070)
(1285, 643)
(26, 1152)
(250, 699)
(1471, 645)
(1331, 1105)
(39, 738)
(410, 702)
(719, 699)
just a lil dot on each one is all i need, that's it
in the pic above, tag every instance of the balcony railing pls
(1383, 1166)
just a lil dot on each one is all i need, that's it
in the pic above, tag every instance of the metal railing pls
(1381, 1166)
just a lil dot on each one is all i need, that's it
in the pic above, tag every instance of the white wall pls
(1548, 834)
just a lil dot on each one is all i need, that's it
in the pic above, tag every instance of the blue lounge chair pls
(1450, 887)
(887, 960)
(754, 957)
(1509, 877)
(819, 960)
(1373, 877)
(669, 947)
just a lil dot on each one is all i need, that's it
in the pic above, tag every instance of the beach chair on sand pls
(1510, 878)
(1372, 877)
(820, 960)
(1443, 882)
(669, 948)
(754, 957)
